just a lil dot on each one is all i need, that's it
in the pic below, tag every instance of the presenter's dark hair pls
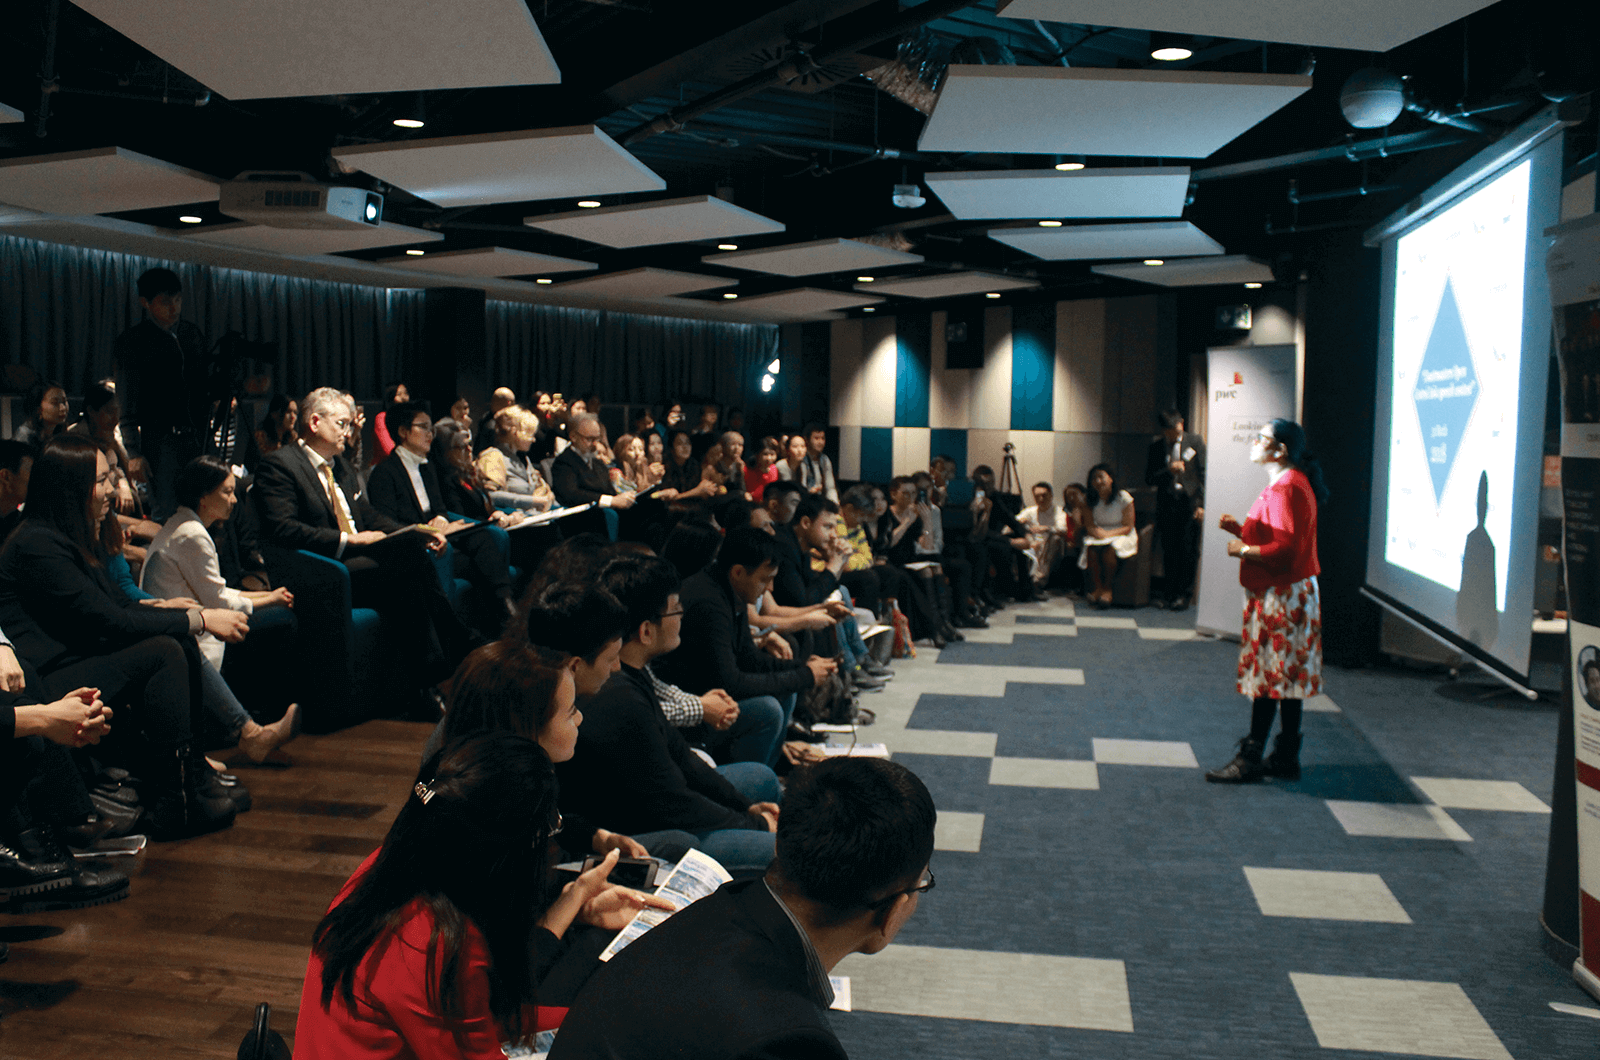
(504, 686)
(692, 546)
(645, 583)
(399, 416)
(1170, 419)
(1094, 497)
(853, 832)
(747, 547)
(59, 489)
(474, 855)
(199, 477)
(575, 618)
(1292, 437)
(156, 282)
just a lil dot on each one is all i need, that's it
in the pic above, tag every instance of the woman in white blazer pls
(182, 562)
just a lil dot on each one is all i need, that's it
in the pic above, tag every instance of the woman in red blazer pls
(434, 948)
(1280, 647)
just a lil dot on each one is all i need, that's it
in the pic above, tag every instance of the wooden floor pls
(214, 925)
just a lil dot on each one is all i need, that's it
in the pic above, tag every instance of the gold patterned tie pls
(338, 505)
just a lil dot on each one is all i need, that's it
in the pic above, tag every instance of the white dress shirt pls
(413, 464)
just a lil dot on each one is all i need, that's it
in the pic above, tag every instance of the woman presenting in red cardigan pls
(1280, 647)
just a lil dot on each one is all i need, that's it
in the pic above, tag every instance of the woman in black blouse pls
(65, 615)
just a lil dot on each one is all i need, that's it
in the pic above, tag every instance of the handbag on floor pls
(903, 646)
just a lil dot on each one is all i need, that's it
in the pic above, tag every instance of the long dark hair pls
(504, 686)
(1292, 437)
(34, 398)
(469, 845)
(63, 479)
(1094, 494)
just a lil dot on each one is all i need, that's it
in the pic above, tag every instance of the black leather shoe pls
(949, 632)
(22, 874)
(971, 620)
(85, 832)
(84, 887)
(126, 819)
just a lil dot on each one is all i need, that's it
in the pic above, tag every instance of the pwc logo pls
(1238, 378)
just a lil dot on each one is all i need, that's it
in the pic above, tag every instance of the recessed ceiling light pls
(189, 219)
(865, 279)
(1068, 167)
(415, 253)
(868, 309)
(1171, 55)
(727, 246)
(1049, 224)
(543, 279)
(1252, 286)
(729, 294)
(588, 204)
(409, 123)
(992, 294)
(1154, 261)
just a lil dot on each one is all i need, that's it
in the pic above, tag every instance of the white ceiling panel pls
(568, 162)
(102, 180)
(9, 114)
(994, 194)
(1362, 25)
(644, 283)
(650, 223)
(804, 302)
(489, 261)
(1156, 239)
(337, 47)
(300, 241)
(1192, 272)
(817, 256)
(946, 285)
(1056, 110)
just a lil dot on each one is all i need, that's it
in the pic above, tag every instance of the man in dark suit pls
(308, 499)
(579, 476)
(405, 488)
(760, 950)
(716, 650)
(164, 387)
(1176, 467)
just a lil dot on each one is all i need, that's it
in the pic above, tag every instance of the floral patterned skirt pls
(1280, 647)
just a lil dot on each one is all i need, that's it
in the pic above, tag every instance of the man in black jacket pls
(307, 499)
(405, 488)
(718, 652)
(1176, 467)
(579, 476)
(632, 771)
(164, 387)
(759, 951)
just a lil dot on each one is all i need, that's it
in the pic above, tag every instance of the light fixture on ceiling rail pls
(409, 123)
(588, 204)
(868, 309)
(992, 294)
(1069, 163)
(415, 253)
(1049, 224)
(727, 246)
(544, 279)
(729, 295)
(1169, 47)
(1155, 261)
(412, 112)
(1252, 287)
(190, 219)
(865, 279)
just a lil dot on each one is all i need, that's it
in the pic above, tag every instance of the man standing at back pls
(163, 385)
(1176, 467)
(743, 973)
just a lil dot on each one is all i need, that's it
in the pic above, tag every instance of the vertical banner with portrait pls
(1249, 387)
(1573, 267)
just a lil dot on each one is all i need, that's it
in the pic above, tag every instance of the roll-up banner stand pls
(1248, 388)
(1573, 267)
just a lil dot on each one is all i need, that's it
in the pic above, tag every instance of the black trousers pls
(154, 684)
(1180, 548)
(866, 588)
(483, 557)
(396, 577)
(38, 778)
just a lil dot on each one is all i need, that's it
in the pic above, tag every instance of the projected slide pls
(1458, 333)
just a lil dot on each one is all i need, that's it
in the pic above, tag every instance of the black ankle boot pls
(85, 887)
(1284, 762)
(22, 873)
(1245, 767)
(181, 804)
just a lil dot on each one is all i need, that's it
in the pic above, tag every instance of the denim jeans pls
(758, 734)
(743, 851)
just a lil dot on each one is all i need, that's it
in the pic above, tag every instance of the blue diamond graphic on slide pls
(1446, 390)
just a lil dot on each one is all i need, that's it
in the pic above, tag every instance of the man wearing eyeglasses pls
(760, 950)
(309, 499)
(579, 475)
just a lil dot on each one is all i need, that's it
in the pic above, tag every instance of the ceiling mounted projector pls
(1372, 98)
(297, 200)
(908, 196)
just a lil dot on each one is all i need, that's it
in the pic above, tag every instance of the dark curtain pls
(62, 307)
(626, 358)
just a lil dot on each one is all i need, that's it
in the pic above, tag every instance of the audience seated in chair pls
(44, 414)
(854, 846)
(507, 470)
(1109, 536)
(439, 944)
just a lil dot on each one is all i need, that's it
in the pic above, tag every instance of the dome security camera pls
(1372, 98)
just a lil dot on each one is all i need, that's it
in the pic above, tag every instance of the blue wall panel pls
(1033, 367)
(877, 454)
(913, 366)
(951, 442)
